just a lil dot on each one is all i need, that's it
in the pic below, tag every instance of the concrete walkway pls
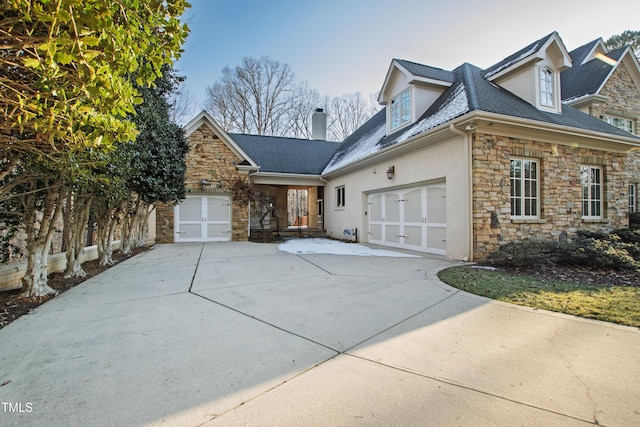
(244, 334)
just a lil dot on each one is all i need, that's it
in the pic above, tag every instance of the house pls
(456, 163)
(223, 167)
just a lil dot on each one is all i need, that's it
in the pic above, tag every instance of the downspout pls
(469, 175)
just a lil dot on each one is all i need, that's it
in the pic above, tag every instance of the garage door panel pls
(391, 207)
(413, 206)
(413, 235)
(375, 233)
(392, 234)
(413, 218)
(191, 209)
(437, 238)
(203, 218)
(190, 231)
(436, 207)
(375, 208)
(218, 208)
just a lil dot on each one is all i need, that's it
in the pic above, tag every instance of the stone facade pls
(624, 97)
(560, 193)
(623, 101)
(560, 186)
(210, 161)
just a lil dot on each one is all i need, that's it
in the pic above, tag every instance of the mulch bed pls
(12, 307)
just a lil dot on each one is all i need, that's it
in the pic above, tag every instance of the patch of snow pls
(513, 61)
(366, 146)
(334, 247)
(456, 105)
(484, 267)
(575, 98)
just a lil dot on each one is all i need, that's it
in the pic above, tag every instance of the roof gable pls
(415, 74)
(550, 46)
(597, 66)
(205, 118)
(471, 91)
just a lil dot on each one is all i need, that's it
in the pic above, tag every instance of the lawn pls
(616, 304)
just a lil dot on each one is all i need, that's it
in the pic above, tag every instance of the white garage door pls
(410, 218)
(203, 219)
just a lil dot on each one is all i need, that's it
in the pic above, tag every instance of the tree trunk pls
(141, 235)
(76, 220)
(134, 224)
(107, 220)
(39, 238)
(129, 225)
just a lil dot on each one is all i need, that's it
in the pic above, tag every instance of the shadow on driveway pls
(243, 334)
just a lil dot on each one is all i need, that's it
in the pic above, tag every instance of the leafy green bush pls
(527, 253)
(598, 250)
(605, 252)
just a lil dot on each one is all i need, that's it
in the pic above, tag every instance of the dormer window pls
(401, 109)
(547, 97)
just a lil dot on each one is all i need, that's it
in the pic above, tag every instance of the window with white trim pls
(401, 109)
(619, 122)
(632, 198)
(591, 181)
(524, 189)
(547, 97)
(340, 197)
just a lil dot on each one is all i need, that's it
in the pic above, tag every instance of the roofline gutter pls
(585, 99)
(278, 178)
(392, 150)
(629, 142)
(633, 143)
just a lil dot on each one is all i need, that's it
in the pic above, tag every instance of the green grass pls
(614, 304)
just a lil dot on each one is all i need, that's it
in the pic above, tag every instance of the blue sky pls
(345, 46)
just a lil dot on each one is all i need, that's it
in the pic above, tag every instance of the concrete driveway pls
(244, 334)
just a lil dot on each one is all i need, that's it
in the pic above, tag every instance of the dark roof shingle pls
(286, 155)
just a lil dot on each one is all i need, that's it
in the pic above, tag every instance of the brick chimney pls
(319, 124)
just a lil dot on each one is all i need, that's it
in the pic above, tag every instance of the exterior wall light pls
(390, 172)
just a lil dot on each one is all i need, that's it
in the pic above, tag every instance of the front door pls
(203, 219)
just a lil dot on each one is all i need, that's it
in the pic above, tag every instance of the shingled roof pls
(286, 155)
(426, 71)
(518, 56)
(471, 91)
(586, 78)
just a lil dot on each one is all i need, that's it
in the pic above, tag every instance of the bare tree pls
(253, 97)
(304, 101)
(181, 105)
(347, 113)
(261, 96)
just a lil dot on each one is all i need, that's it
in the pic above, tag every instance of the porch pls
(287, 211)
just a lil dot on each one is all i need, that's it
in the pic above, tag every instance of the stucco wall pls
(440, 163)
(560, 191)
